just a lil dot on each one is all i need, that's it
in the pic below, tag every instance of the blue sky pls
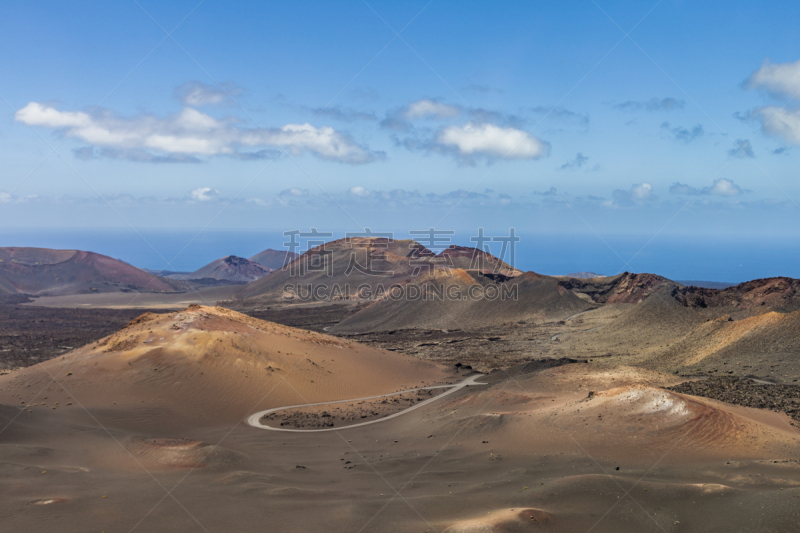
(276, 115)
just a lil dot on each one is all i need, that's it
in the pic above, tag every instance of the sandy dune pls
(209, 365)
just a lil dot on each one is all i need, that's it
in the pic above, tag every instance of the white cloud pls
(720, 187)
(779, 122)
(431, 108)
(204, 194)
(642, 191)
(491, 141)
(38, 114)
(192, 132)
(259, 202)
(295, 192)
(637, 194)
(361, 192)
(780, 78)
(725, 187)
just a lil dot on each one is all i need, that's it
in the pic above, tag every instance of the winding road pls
(255, 419)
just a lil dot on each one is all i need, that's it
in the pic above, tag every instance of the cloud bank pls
(720, 187)
(192, 133)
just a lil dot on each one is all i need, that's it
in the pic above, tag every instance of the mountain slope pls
(622, 288)
(458, 299)
(274, 259)
(763, 345)
(775, 293)
(770, 293)
(44, 271)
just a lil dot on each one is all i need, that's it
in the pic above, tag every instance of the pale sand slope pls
(209, 365)
(625, 410)
(572, 440)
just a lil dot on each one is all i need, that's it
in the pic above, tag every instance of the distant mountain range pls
(361, 270)
(43, 271)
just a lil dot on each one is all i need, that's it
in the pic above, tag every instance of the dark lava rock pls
(746, 392)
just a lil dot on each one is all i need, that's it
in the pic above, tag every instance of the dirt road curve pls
(255, 419)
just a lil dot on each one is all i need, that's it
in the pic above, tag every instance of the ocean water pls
(693, 257)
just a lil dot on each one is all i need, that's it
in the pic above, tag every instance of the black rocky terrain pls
(746, 392)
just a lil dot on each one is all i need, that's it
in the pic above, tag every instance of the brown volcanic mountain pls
(274, 259)
(45, 271)
(346, 264)
(623, 288)
(371, 263)
(776, 293)
(230, 268)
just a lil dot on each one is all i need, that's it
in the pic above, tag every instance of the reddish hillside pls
(45, 271)
(467, 258)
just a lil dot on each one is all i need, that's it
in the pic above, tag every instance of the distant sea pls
(724, 259)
